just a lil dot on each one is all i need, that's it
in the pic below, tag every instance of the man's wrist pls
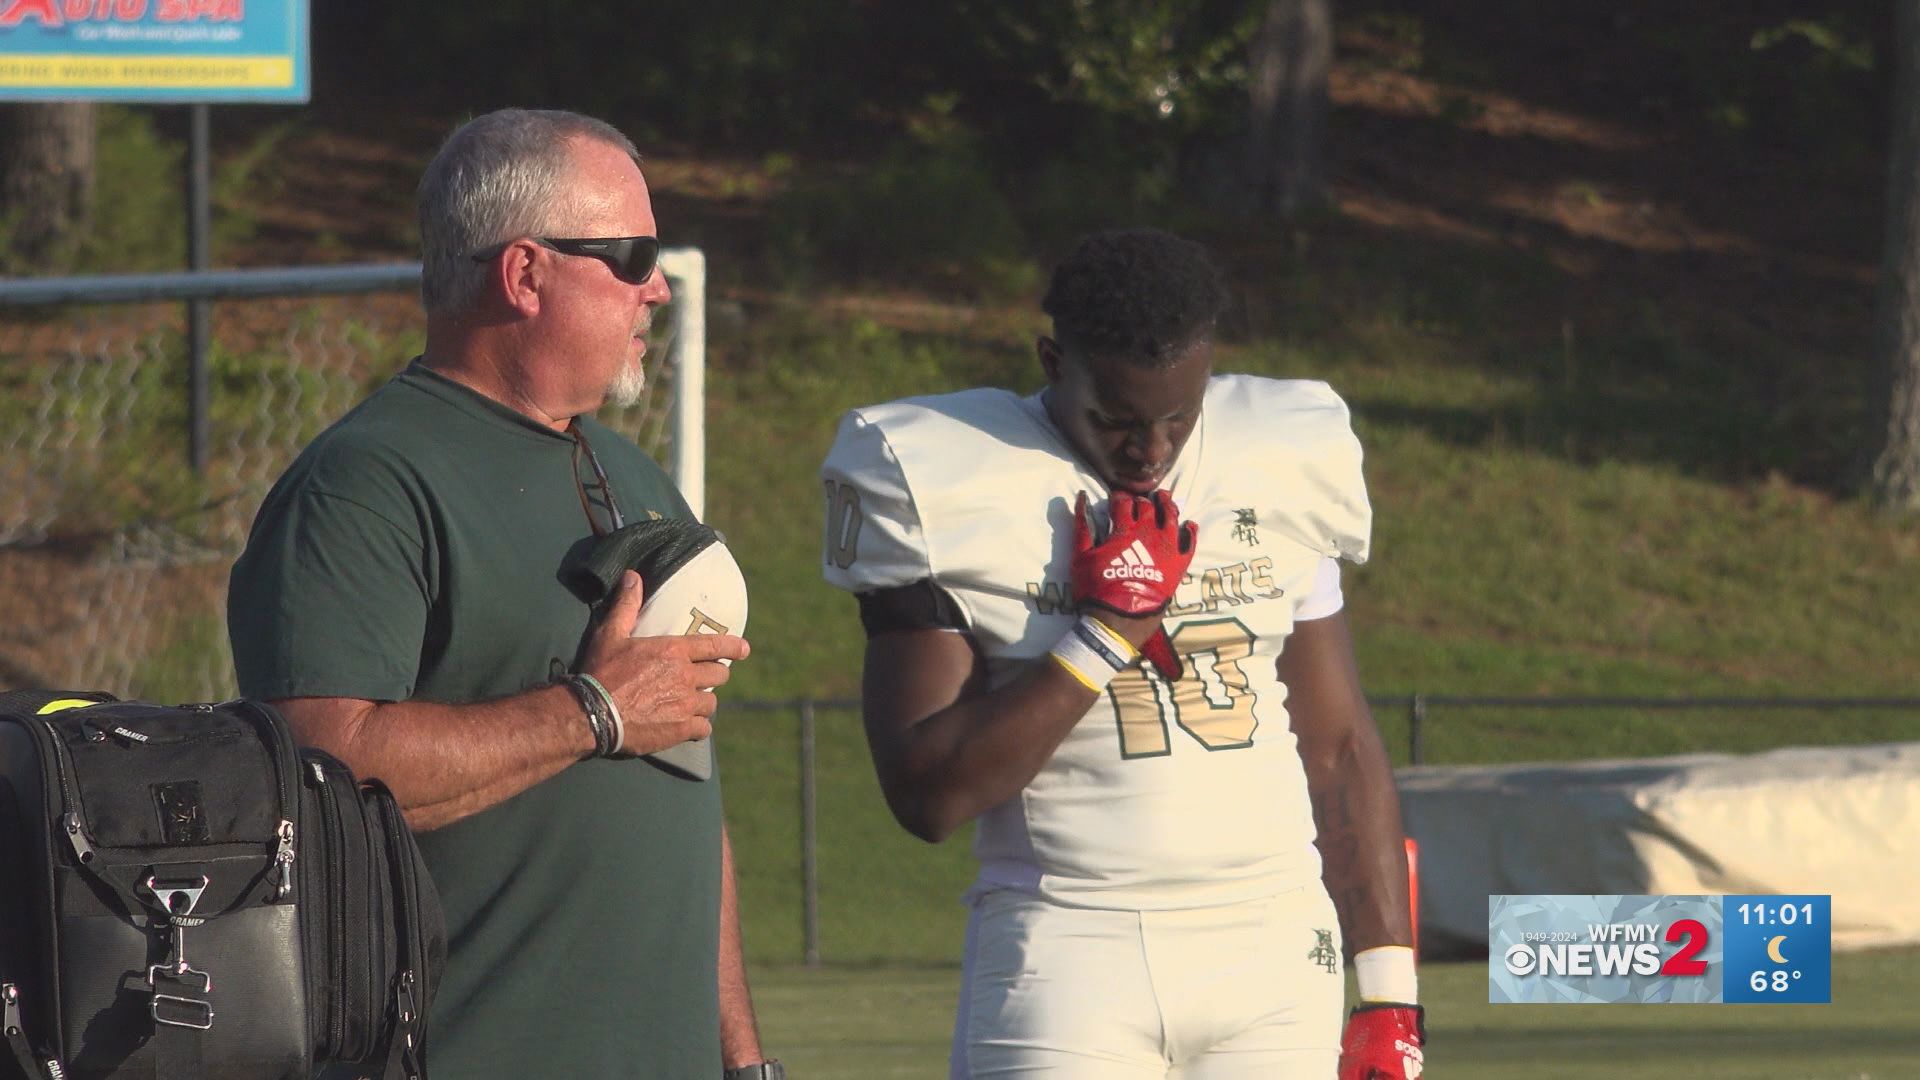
(1387, 973)
(1132, 629)
(1093, 653)
(770, 1069)
(592, 700)
(609, 710)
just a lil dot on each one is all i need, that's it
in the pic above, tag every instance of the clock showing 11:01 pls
(1779, 950)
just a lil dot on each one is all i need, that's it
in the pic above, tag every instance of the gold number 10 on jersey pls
(1213, 704)
(843, 524)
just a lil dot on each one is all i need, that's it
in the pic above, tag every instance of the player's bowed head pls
(1134, 313)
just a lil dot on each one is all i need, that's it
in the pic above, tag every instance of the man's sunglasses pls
(632, 258)
(602, 487)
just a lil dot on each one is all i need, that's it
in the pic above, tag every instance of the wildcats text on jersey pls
(1202, 593)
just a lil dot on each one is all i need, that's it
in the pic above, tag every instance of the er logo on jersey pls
(1134, 563)
(1323, 952)
(1246, 526)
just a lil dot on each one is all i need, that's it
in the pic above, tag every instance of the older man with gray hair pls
(400, 600)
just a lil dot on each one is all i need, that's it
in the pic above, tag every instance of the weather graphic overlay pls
(1779, 950)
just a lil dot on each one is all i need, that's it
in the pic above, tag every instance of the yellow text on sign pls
(209, 72)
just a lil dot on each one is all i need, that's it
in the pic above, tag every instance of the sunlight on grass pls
(843, 1024)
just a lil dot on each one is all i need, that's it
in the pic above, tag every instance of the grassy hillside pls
(1604, 506)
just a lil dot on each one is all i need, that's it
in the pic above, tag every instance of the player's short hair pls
(1140, 295)
(498, 177)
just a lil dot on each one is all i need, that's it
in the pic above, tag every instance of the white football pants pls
(1250, 991)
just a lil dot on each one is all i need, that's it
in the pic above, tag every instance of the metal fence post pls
(199, 218)
(1416, 730)
(809, 842)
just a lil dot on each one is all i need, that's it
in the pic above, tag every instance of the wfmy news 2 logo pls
(1621, 949)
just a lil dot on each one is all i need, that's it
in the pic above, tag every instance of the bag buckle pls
(186, 1012)
(179, 899)
(176, 897)
(179, 972)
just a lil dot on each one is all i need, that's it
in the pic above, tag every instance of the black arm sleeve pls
(922, 605)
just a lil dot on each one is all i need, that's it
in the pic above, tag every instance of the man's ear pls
(1050, 355)
(517, 276)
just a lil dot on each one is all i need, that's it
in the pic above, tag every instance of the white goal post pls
(674, 431)
(686, 270)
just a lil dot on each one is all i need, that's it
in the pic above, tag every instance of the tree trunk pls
(1287, 67)
(1893, 478)
(46, 178)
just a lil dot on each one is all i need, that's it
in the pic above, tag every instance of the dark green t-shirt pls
(412, 551)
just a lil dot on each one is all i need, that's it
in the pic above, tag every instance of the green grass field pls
(894, 1022)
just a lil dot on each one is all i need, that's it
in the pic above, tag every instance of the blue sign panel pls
(1780, 949)
(189, 51)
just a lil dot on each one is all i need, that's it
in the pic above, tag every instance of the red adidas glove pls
(1135, 569)
(1382, 1042)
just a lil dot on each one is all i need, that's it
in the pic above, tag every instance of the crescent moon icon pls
(1773, 949)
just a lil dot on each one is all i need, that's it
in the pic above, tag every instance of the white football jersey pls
(1164, 795)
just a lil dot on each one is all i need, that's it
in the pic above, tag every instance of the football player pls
(1105, 621)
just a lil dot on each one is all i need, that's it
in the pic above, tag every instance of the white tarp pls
(1838, 820)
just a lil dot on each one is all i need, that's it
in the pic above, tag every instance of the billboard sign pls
(180, 51)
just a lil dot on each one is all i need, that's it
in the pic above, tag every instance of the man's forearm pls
(445, 762)
(739, 1035)
(956, 764)
(1356, 811)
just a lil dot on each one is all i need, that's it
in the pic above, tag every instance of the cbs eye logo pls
(1520, 959)
(1613, 957)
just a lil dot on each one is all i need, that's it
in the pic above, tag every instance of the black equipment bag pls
(186, 896)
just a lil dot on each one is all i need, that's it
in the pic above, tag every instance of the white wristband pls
(1387, 974)
(1093, 653)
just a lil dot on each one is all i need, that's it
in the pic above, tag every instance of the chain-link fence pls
(114, 550)
(828, 877)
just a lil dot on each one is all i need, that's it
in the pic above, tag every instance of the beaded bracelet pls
(610, 713)
(590, 703)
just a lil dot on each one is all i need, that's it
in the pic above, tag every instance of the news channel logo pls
(1629, 949)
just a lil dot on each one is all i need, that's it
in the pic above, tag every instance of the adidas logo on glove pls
(1134, 563)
